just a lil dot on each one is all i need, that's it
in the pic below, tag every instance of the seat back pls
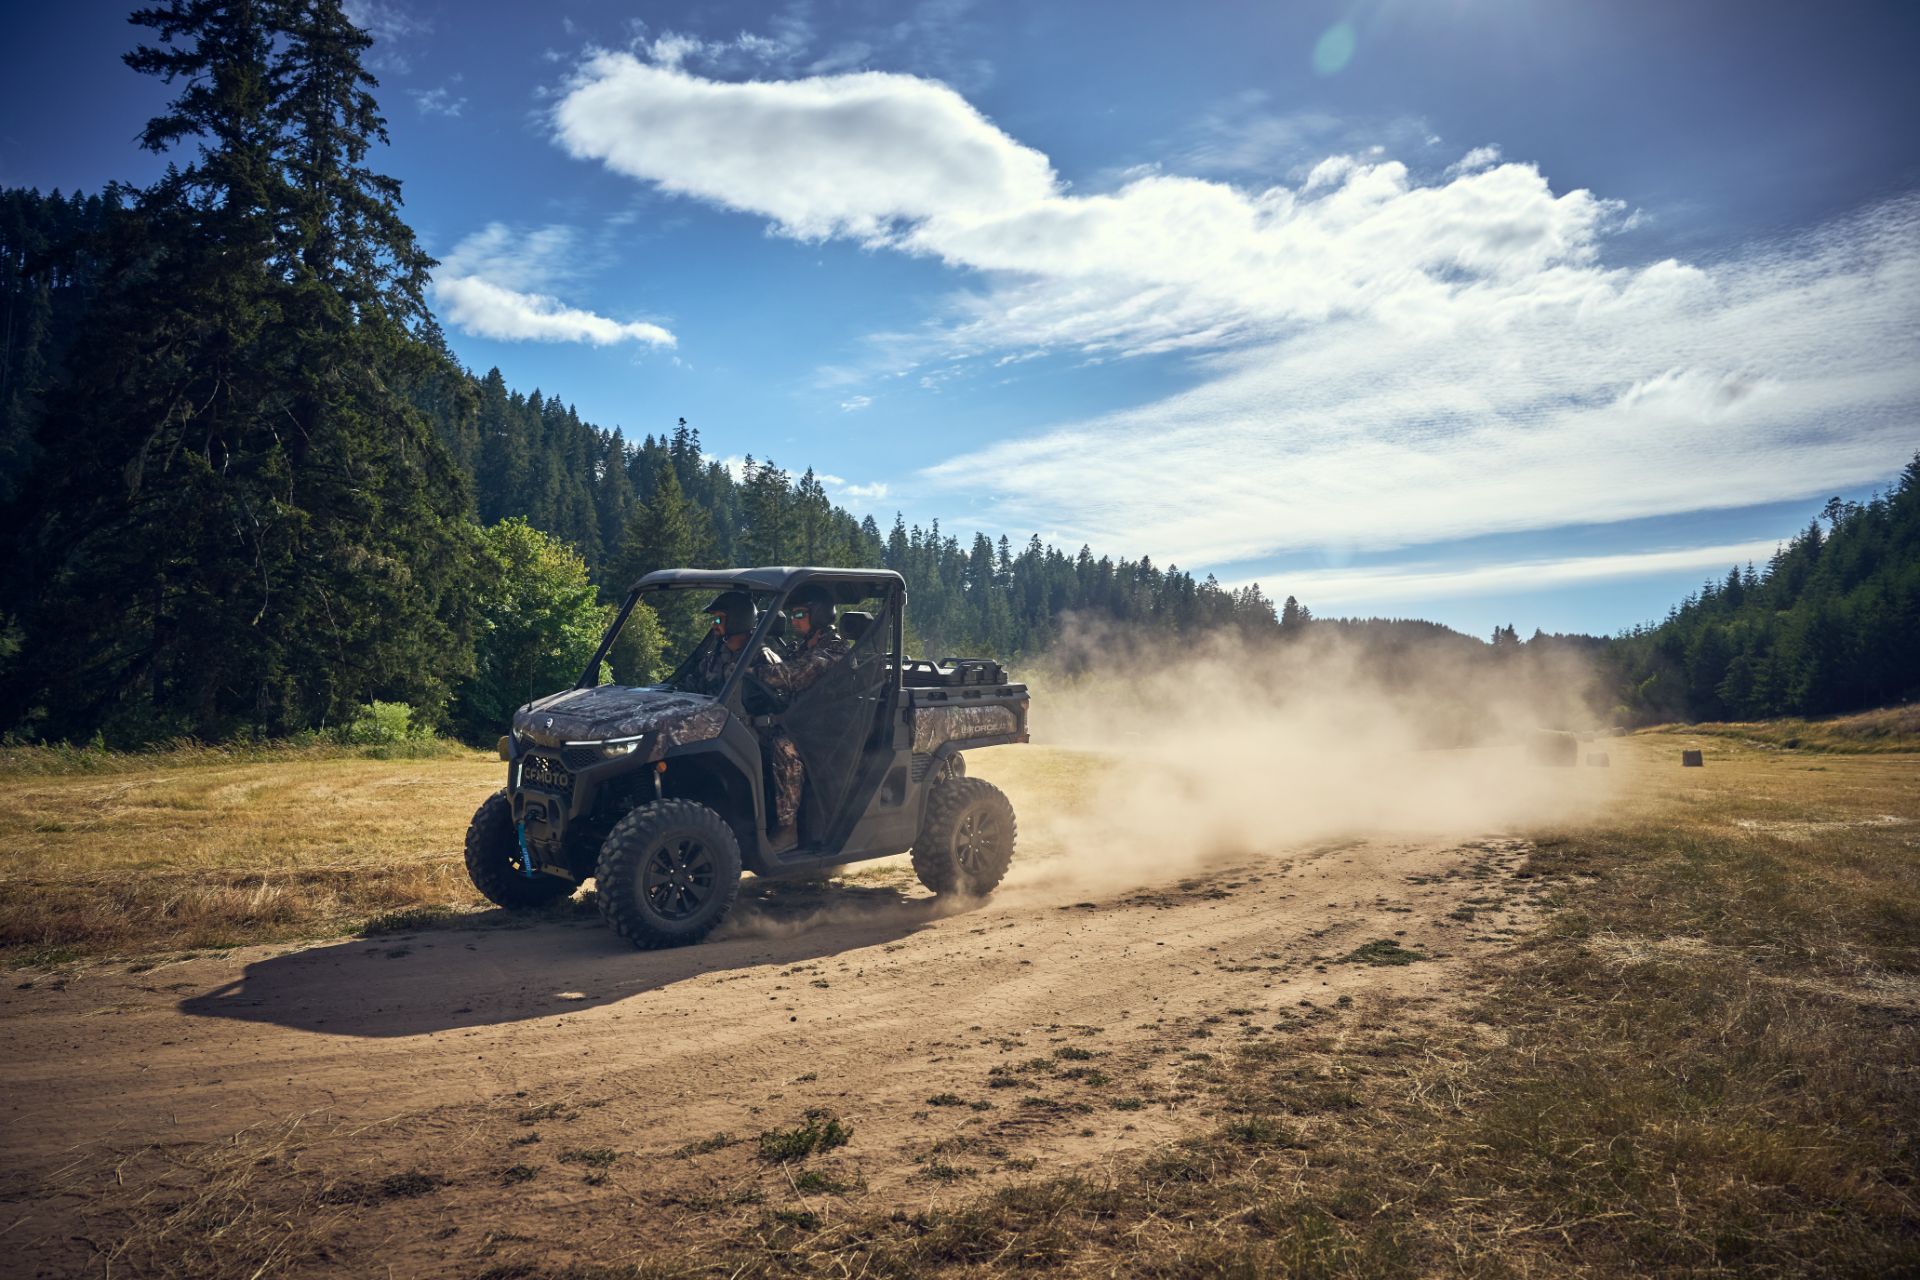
(854, 624)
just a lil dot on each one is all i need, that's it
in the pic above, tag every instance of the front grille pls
(580, 757)
(544, 772)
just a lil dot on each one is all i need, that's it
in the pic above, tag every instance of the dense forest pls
(1831, 624)
(247, 490)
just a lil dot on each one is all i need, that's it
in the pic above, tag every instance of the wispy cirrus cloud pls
(1387, 586)
(390, 24)
(1380, 359)
(441, 100)
(493, 285)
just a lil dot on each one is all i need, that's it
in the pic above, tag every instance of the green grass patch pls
(1382, 951)
(820, 1130)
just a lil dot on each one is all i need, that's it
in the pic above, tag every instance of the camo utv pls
(661, 794)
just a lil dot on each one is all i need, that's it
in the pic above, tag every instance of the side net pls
(832, 721)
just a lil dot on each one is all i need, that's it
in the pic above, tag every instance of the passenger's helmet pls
(818, 603)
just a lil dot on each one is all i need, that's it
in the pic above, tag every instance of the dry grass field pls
(202, 850)
(1676, 1039)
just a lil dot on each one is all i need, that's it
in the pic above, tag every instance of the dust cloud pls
(1234, 748)
(780, 910)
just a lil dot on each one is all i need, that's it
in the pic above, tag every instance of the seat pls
(854, 624)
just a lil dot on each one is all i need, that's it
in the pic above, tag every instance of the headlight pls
(614, 748)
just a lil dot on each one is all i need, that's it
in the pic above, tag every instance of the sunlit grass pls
(197, 848)
(190, 853)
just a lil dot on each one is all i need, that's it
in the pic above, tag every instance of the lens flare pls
(1334, 49)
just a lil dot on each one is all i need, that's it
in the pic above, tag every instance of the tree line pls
(1830, 624)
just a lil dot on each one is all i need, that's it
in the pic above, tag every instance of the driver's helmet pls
(733, 610)
(816, 602)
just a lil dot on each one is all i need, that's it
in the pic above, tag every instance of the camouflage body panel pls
(616, 711)
(699, 726)
(935, 726)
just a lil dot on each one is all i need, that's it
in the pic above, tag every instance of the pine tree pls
(665, 532)
(767, 534)
(249, 524)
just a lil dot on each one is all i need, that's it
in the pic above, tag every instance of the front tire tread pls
(622, 862)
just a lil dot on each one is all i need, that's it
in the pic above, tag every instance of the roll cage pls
(845, 585)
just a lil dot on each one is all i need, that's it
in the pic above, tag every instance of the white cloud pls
(438, 101)
(832, 155)
(672, 48)
(1578, 395)
(1475, 160)
(1244, 137)
(853, 404)
(493, 286)
(1394, 585)
(866, 492)
(1383, 360)
(842, 57)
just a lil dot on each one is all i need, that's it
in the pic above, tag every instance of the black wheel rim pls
(973, 841)
(678, 880)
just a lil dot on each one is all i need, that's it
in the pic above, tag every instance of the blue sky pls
(1478, 310)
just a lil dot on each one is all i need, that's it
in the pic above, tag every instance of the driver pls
(733, 617)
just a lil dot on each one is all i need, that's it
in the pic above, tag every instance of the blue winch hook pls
(527, 868)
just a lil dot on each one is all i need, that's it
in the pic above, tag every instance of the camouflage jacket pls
(806, 664)
(715, 665)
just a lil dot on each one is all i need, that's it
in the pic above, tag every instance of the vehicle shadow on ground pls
(500, 968)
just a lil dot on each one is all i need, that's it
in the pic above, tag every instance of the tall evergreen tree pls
(245, 522)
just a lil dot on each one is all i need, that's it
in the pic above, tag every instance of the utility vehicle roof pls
(767, 578)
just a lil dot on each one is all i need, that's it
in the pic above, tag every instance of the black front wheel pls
(966, 838)
(667, 874)
(493, 861)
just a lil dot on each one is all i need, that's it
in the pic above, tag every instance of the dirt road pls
(457, 1099)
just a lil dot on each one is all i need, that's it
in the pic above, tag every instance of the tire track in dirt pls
(1028, 1032)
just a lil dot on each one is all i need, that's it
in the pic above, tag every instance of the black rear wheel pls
(493, 861)
(966, 839)
(667, 874)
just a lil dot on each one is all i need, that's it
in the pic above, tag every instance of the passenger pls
(817, 645)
